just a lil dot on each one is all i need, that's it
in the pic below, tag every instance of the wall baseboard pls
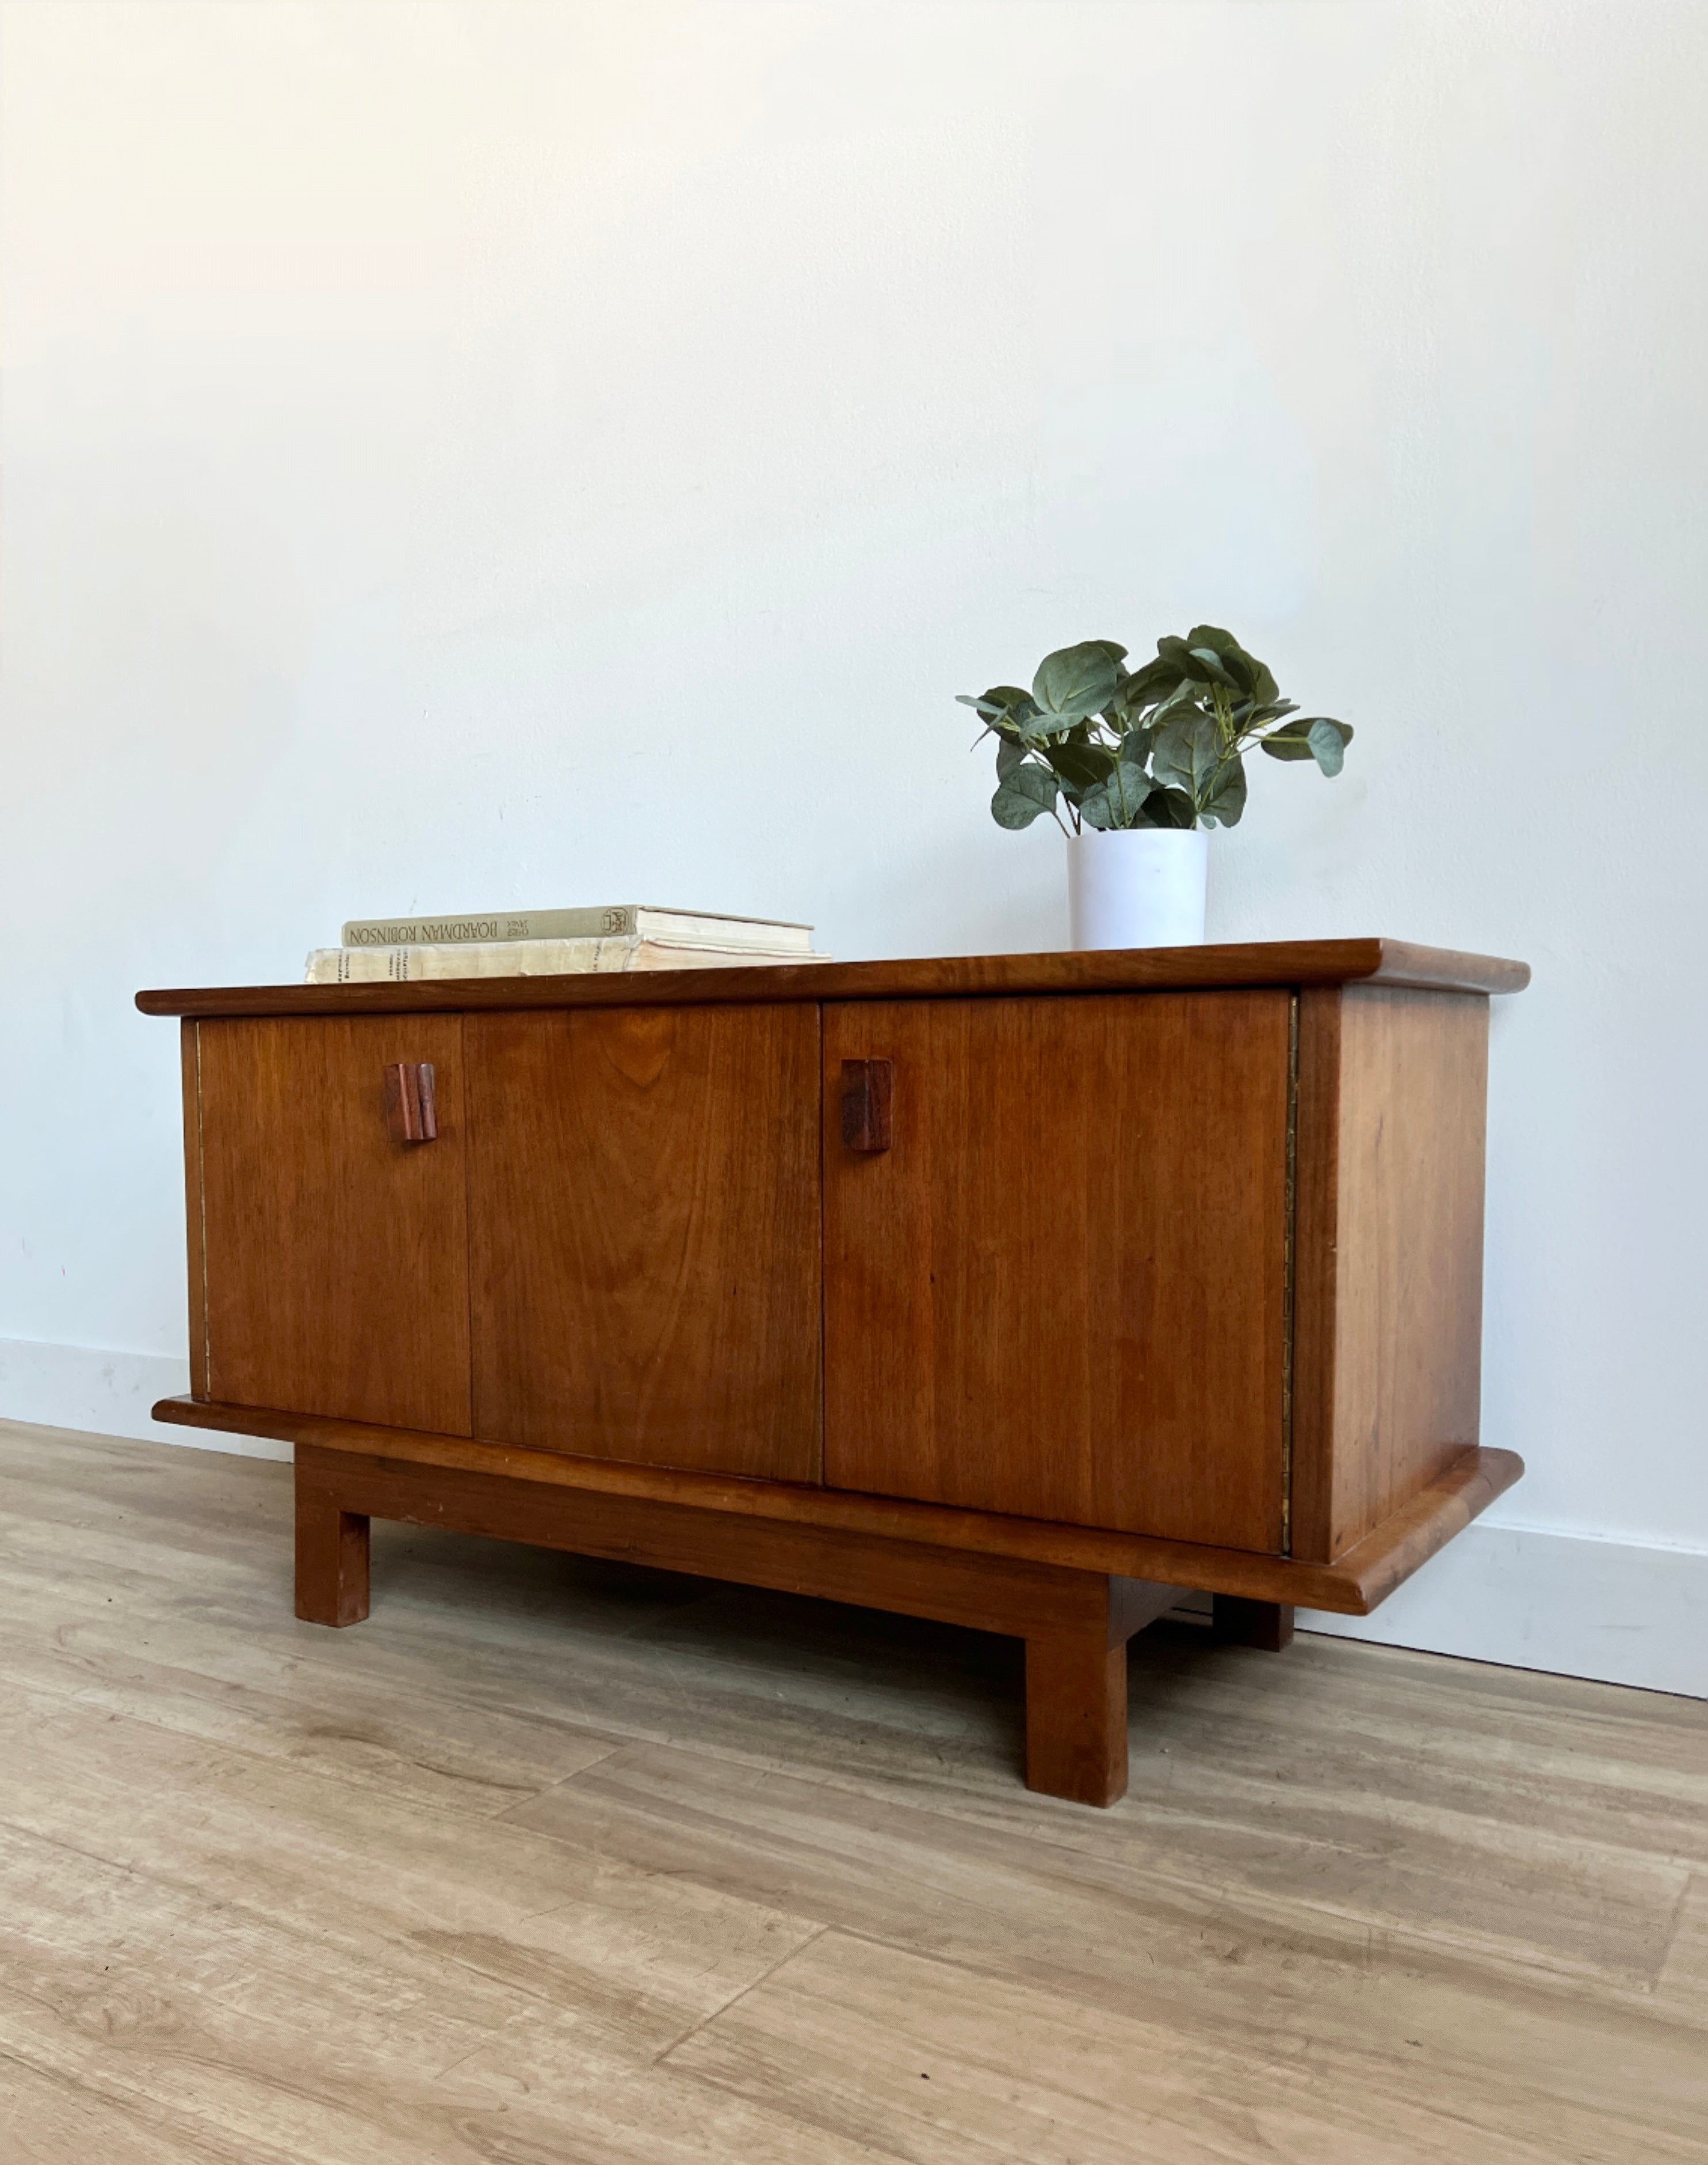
(1617, 1612)
(1620, 1612)
(91, 1387)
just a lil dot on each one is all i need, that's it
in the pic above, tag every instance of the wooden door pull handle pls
(869, 1087)
(411, 1113)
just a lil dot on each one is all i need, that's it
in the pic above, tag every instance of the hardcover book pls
(628, 920)
(407, 963)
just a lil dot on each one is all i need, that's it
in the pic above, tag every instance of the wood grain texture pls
(190, 1065)
(1075, 1624)
(1424, 1525)
(643, 1235)
(332, 1555)
(1316, 1272)
(555, 1861)
(1077, 1718)
(1352, 1586)
(1268, 962)
(1060, 1294)
(1389, 1253)
(984, 1592)
(337, 1264)
(1076, 1683)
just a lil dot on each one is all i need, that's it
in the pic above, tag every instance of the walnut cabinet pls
(1025, 1291)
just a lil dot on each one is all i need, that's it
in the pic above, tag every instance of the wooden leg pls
(1077, 1688)
(331, 1559)
(1265, 1624)
(1077, 1717)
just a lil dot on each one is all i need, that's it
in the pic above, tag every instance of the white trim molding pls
(106, 1393)
(1620, 1612)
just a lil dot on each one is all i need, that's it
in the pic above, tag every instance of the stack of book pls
(544, 943)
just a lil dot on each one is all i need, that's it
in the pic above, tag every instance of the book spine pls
(617, 922)
(404, 965)
(521, 958)
(630, 921)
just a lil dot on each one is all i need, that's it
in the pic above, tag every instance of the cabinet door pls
(336, 1271)
(1060, 1290)
(645, 1234)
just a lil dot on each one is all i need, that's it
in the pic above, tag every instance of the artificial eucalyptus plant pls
(1162, 745)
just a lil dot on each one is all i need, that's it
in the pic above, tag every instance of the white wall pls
(477, 453)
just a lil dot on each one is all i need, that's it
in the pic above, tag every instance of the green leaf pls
(1180, 654)
(1022, 795)
(1328, 747)
(1285, 745)
(1009, 756)
(1218, 671)
(1118, 801)
(1169, 808)
(1242, 669)
(1080, 767)
(1183, 699)
(1187, 753)
(1127, 788)
(1136, 746)
(1317, 738)
(1005, 708)
(1074, 682)
(1227, 799)
(1145, 686)
(1112, 648)
(999, 699)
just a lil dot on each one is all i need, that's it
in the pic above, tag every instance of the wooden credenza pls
(1024, 1291)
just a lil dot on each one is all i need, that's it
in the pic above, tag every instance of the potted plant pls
(1145, 761)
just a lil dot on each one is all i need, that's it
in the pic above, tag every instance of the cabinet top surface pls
(957, 976)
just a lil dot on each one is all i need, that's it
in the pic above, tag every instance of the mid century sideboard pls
(1024, 1291)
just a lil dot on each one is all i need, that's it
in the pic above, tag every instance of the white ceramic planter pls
(1139, 886)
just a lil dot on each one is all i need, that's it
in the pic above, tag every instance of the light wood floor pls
(555, 1862)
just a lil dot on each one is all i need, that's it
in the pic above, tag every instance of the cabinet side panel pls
(337, 1255)
(1315, 1222)
(644, 1236)
(189, 1047)
(1408, 1272)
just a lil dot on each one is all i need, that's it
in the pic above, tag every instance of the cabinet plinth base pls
(1075, 1624)
(1266, 1625)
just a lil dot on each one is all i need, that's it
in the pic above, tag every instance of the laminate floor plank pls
(51, 2119)
(556, 1860)
(1681, 1986)
(212, 2015)
(1270, 1985)
(1274, 1839)
(347, 1726)
(648, 1957)
(916, 2058)
(243, 2100)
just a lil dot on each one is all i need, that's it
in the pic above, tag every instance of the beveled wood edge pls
(1408, 1537)
(195, 1211)
(1137, 969)
(1352, 1586)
